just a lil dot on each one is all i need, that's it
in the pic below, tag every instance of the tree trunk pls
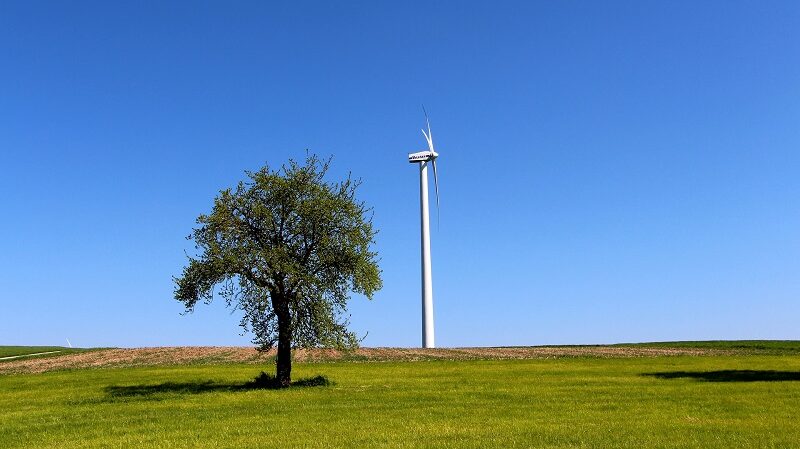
(284, 360)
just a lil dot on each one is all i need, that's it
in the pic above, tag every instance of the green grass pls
(664, 402)
(7, 351)
(759, 346)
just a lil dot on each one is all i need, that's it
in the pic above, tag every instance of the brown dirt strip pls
(215, 355)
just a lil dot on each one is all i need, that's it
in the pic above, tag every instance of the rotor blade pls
(426, 115)
(428, 139)
(436, 184)
(429, 136)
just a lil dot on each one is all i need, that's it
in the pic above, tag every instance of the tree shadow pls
(731, 375)
(262, 382)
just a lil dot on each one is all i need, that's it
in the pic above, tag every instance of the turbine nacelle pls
(422, 156)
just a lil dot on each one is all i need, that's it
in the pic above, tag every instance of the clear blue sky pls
(610, 171)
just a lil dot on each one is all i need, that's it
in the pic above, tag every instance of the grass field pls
(755, 346)
(738, 400)
(11, 351)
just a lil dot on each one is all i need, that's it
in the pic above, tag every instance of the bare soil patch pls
(228, 354)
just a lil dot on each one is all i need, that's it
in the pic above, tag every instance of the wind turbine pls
(423, 158)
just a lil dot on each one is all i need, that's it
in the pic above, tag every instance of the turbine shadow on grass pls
(731, 375)
(262, 382)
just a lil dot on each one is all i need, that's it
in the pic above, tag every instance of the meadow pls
(748, 398)
(13, 351)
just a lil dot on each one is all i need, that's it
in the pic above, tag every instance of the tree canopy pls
(287, 248)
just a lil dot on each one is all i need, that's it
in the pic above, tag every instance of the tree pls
(287, 248)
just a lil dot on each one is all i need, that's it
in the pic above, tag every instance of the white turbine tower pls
(423, 158)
